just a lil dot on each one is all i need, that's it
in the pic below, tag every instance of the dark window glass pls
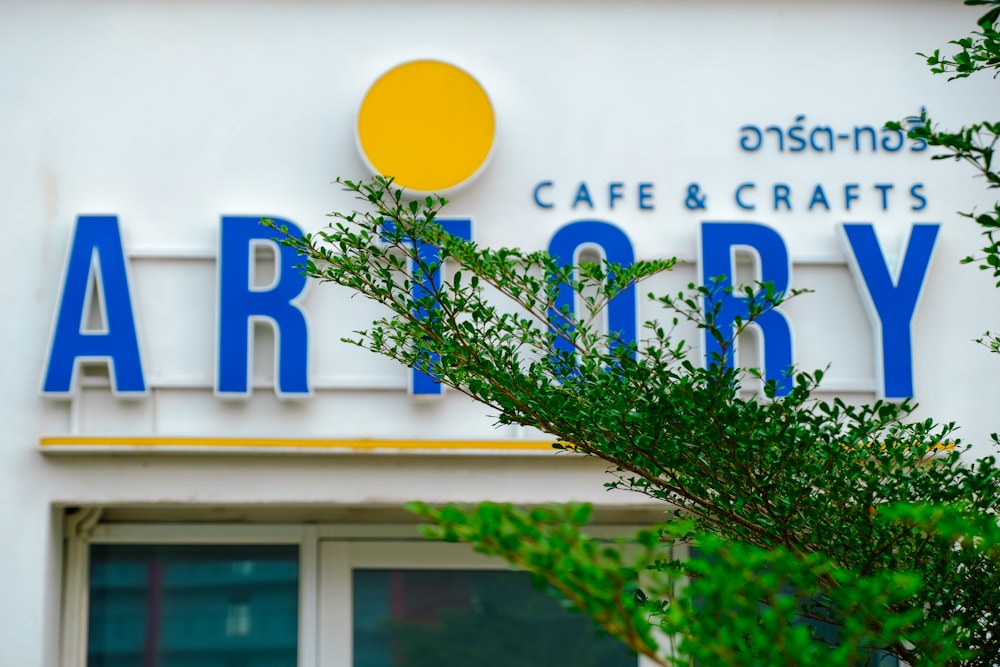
(193, 606)
(828, 631)
(465, 618)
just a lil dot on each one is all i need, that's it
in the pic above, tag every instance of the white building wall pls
(172, 114)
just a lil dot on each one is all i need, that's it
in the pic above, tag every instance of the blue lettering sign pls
(850, 195)
(537, 193)
(615, 247)
(718, 242)
(96, 265)
(242, 303)
(884, 189)
(422, 383)
(646, 197)
(891, 299)
(583, 196)
(739, 196)
(919, 200)
(781, 193)
(614, 193)
(819, 198)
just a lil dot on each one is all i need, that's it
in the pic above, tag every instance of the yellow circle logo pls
(427, 124)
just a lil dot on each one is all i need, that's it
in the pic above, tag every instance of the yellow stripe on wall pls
(152, 443)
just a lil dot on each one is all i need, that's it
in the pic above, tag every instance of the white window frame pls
(338, 558)
(76, 584)
(328, 554)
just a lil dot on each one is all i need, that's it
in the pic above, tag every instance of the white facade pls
(170, 115)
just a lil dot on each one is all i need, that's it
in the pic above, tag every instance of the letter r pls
(718, 243)
(241, 303)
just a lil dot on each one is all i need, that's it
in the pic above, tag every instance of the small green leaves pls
(792, 496)
(973, 144)
(600, 578)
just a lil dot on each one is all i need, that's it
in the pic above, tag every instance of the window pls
(456, 618)
(193, 605)
(193, 595)
(199, 595)
(824, 630)
(424, 604)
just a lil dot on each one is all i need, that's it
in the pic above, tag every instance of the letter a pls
(95, 260)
